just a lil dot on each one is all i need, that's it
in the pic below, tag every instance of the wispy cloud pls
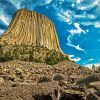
(16, 3)
(96, 24)
(78, 1)
(64, 15)
(85, 16)
(71, 56)
(91, 59)
(76, 59)
(42, 2)
(70, 16)
(63, 18)
(77, 47)
(86, 5)
(4, 19)
(78, 29)
(1, 31)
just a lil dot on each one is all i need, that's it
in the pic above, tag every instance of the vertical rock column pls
(28, 28)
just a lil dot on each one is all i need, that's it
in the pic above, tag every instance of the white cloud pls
(78, 29)
(77, 47)
(43, 2)
(63, 18)
(4, 19)
(69, 16)
(29, 3)
(87, 6)
(73, 5)
(76, 59)
(91, 16)
(71, 56)
(67, 13)
(15, 3)
(78, 1)
(85, 16)
(91, 59)
(95, 24)
(1, 31)
(87, 30)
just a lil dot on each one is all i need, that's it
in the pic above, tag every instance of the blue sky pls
(77, 23)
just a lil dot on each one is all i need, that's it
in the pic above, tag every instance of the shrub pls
(58, 77)
(44, 79)
(31, 53)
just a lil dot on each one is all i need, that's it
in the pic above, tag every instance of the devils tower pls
(28, 27)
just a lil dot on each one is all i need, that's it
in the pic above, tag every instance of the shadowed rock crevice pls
(71, 97)
(42, 97)
(63, 97)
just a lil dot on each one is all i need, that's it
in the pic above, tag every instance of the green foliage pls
(6, 57)
(54, 57)
(38, 54)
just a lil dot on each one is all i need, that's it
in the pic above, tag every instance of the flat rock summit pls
(28, 27)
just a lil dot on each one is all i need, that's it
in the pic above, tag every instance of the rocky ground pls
(21, 80)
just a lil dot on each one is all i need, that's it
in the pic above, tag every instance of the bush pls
(58, 77)
(44, 79)
(55, 57)
(36, 54)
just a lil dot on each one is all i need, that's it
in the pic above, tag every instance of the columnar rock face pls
(28, 28)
